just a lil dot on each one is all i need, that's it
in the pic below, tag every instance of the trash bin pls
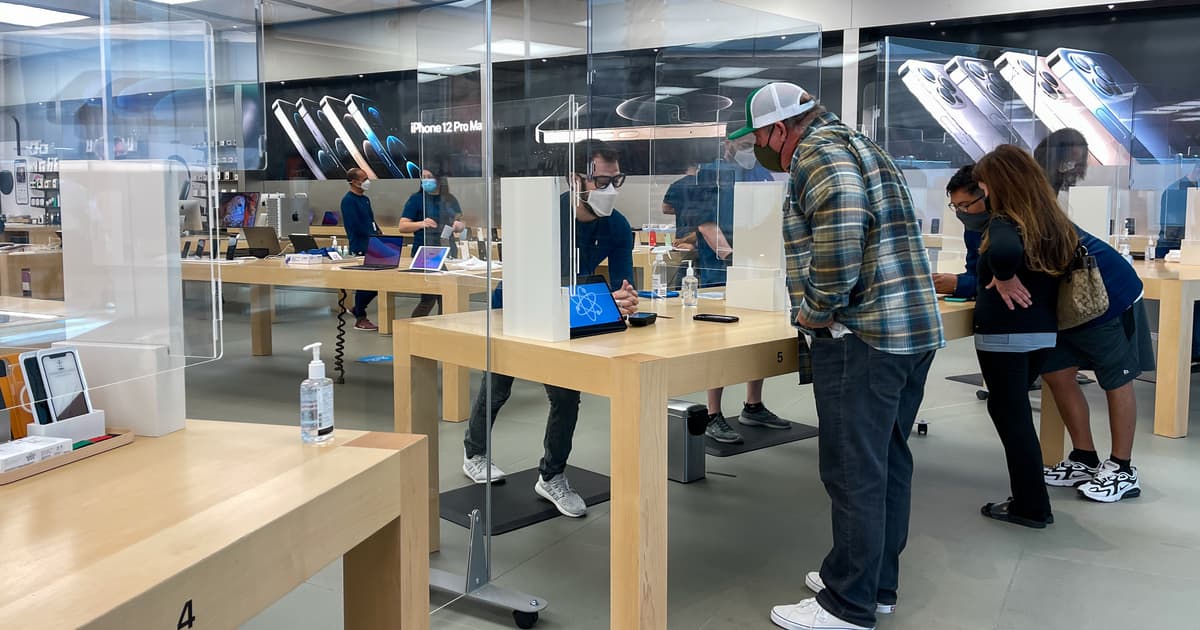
(686, 422)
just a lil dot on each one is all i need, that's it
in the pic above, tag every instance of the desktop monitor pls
(238, 209)
(191, 215)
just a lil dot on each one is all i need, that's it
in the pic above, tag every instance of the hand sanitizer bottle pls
(1151, 249)
(691, 287)
(658, 287)
(335, 246)
(316, 401)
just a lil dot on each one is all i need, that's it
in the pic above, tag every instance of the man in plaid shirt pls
(863, 297)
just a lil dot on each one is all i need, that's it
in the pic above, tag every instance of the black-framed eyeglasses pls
(963, 205)
(602, 181)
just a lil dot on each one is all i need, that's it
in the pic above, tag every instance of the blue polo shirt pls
(608, 237)
(359, 221)
(713, 203)
(445, 210)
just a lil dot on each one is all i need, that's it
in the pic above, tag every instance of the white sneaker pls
(809, 615)
(476, 468)
(1111, 484)
(559, 492)
(1067, 474)
(815, 584)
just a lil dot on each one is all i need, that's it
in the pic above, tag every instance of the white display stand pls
(79, 428)
(535, 304)
(1189, 249)
(756, 281)
(1090, 207)
(123, 286)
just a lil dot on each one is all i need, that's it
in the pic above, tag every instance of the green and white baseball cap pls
(772, 103)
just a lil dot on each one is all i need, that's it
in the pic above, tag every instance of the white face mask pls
(745, 158)
(366, 185)
(602, 201)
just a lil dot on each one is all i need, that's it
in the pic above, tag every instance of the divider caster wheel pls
(524, 620)
(981, 394)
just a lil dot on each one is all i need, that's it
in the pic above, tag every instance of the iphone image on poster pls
(958, 116)
(62, 377)
(387, 147)
(337, 113)
(1107, 90)
(287, 116)
(1056, 106)
(978, 80)
(334, 156)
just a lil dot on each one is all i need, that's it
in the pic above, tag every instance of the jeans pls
(867, 402)
(1008, 376)
(362, 299)
(560, 425)
(425, 307)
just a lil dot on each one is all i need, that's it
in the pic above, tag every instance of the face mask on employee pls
(602, 200)
(745, 158)
(365, 185)
(429, 185)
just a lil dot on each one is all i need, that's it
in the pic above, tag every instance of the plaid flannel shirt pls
(854, 251)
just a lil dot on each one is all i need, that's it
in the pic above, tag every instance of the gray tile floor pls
(742, 540)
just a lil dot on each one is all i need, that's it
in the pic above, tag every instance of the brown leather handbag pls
(1081, 293)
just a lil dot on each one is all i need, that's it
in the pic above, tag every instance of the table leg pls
(456, 380)
(417, 414)
(385, 578)
(1174, 370)
(1053, 433)
(386, 303)
(638, 553)
(261, 300)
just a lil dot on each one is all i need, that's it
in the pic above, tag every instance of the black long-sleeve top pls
(1004, 258)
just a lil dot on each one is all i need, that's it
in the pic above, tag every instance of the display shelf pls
(122, 437)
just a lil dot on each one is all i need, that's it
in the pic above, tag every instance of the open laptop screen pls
(382, 253)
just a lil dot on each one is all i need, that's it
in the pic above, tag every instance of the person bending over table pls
(600, 232)
(862, 296)
(968, 203)
(424, 213)
(359, 220)
(712, 210)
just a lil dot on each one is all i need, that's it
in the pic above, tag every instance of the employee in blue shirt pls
(600, 232)
(359, 221)
(712, 211)
(969, 204)
(425, 212)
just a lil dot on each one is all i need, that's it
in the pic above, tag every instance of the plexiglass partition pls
(106, 148)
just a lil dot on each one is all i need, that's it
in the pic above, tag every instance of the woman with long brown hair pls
(1027, 246)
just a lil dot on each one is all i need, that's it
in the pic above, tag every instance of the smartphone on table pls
(64, 384)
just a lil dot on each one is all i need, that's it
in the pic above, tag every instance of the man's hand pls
(724, 252)
(684, 245)
(626, 298)
(430, 223)
(945, 283)
(1012, 291)
(804, 323)
(458, 226)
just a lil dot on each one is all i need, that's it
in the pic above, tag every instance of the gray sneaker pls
(719, 430)
(558, 491)
(477, 469)
(763, 418)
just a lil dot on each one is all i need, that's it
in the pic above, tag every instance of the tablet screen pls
(593, 304)
(430, 258)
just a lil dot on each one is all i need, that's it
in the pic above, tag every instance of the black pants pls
(362, 299)
(560, 425)
(425, 307)
(867, 401)
(1008, 376)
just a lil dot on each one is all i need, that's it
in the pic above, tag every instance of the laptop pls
(380, 255)
(262, 238)
(302, 242)
(429, 258)
(593, 310)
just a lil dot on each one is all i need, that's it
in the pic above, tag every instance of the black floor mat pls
(977, 381)
(515, 504)
(756, 438)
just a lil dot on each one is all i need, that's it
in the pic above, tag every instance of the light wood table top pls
(638, 370)
(227, 516)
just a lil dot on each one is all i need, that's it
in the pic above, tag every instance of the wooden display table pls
(1176, 287)
(263, 275)
(638, 370)
(36, 234)
(45, 274)
(213, 524)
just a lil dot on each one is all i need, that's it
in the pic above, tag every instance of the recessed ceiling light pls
(583, 23)
(22, 15)
(731, 73)
(445, 69)
(360, 76)
(516, 48)
(933, 23)
(149, 93)
(673, 91)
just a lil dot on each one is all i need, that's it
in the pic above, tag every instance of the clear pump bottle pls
(316, 401)
(690, 292)
(658, 287)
